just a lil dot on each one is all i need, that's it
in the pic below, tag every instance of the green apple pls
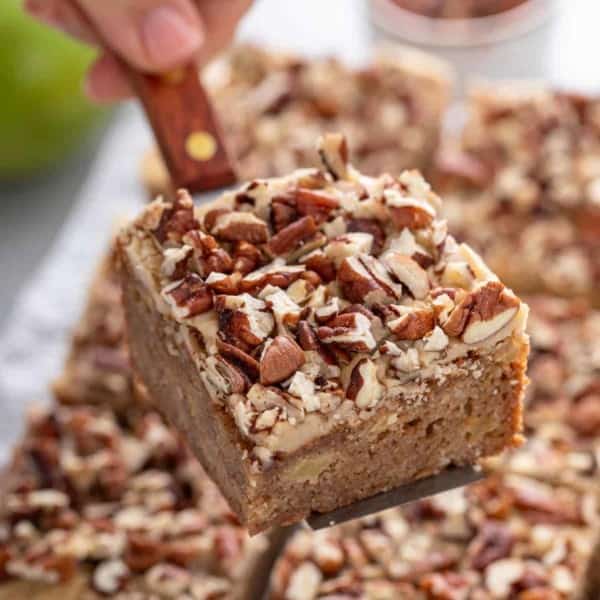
(43, 113)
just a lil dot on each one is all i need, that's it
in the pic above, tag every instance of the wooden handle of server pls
(183, 120)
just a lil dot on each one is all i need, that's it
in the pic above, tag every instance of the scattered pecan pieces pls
(289, 237)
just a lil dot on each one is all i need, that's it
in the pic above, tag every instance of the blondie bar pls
(320, 337)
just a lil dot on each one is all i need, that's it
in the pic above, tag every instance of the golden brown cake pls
(523, 187)
(320, 338)
(94, 509)
(273, 106)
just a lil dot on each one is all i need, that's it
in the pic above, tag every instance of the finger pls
(105, 82)
(152, 35)
(60, 15)
(220, 21)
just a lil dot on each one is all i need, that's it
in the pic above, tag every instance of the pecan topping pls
(322, 265)
(409, 273)
(291, 236)
(316, 204)
(364, 387)
(413, 324)
(333, 151)
(177, 219)
(190, 294)
(280, 359)
(239, 358)
(247, 257)
(358, 285)
(307, 338)
(237, 226)
(351, 331)
(482, 313)
(372, 227)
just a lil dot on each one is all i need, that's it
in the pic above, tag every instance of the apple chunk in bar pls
(320, 338)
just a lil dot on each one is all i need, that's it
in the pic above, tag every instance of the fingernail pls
(169, 37)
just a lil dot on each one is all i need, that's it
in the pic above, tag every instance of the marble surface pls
(45, 282)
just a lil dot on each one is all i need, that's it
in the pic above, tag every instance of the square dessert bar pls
(320, 338)
(524, 180)
(273, 105)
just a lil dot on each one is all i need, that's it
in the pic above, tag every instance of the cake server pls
(188, 134)
(183, 121)
(450, 478)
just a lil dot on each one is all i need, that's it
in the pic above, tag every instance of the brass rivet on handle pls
(174, 76)
(201, 145)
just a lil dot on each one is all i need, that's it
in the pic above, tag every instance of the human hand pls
(151, 35)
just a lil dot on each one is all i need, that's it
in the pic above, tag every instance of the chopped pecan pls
(358, 285)
(244, 318)
(247, 257)
(237, 226)
(307, 338)
(280, 359)
(224, 284)
(322, 265)
(333, 151)
(364, 387)
(238, 381)
(177, 219)
(289, 237)
(409, 273)
(371, 226)
(351, 331)
(246, 363)
(278, 275)
(191, 295)
(316, 204)
(407, 211)
(210, 218)
(412, 324)
(217, 261)
(110, 577)
(493, 542)
(347, 245)
(482, 313)
(283, 211)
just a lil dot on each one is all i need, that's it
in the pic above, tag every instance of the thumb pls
(151, 35)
